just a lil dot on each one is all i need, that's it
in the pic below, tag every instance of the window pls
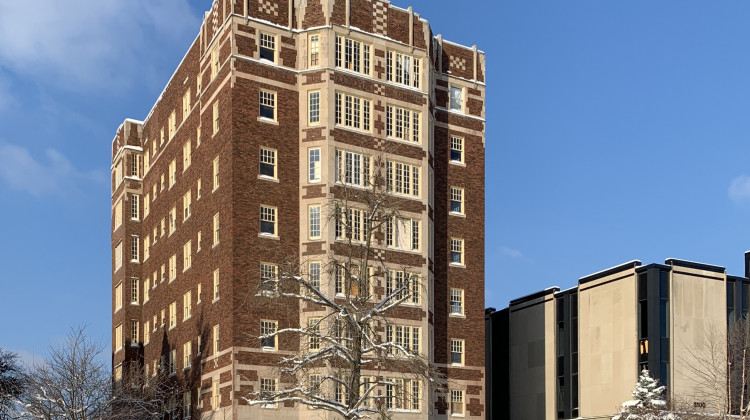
(402, 233)
(146, 334)
(314, 164)
(313, 107)
(198, 136)
(146, 290)
(268, 162)
(134, 337)
(173, 362)
(187, 305)
(162, 318)
(163, 230)
(404, 285)
(118, 256)
(118, 297)
(267, 390)
(187, 254)
(172, 124)
(314, 50)
(172, 315)
(118, 337)
(457, 352)
(457, 403)
(402, 337)
(457, 200)
(134, 244)
(172, 267)
(186, 155)
(172, 220)
(402, 69)
(199, 241)
(267, 46)
(216, 229)
(147, 158)
(268, 104)
(134, 295)
(172, 173)
(216, 173)
(314, 221)
(198, 190)
(216, 117)
(352, 111)
(457, 302)
(162, 273)
(351, 224)
(198, 300)
(216, 339)
(352, 55)
(163, 184)
(457, 149)
(146, 248)
(268, 341)
(118, 214)
(457, 98)
(313, 327)
(215, 395)
(352, 168)
(214, 62)
(402, 124)
(402, 394)
(267, 271)
(134, 201)
(457, 251)
(402, 178)
(186, 205)
(185, 104)
(268, 220)
(186, 404)
(187, 354)
(314, 272)
(146, 206)
(216, 284)
(161, 135)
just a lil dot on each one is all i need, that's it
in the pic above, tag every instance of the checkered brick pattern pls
(268, 6)
(215, 16)
(380, 17)
(458, 63)
(379, 90)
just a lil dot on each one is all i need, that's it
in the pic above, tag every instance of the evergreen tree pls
(648, 402)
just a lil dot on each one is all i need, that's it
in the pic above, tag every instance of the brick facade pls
(231, 32)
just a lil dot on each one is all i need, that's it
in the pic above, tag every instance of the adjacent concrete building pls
(273, 102)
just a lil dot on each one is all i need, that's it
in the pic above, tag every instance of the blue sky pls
(615, 131)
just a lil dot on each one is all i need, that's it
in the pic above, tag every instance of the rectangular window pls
(402, 394)
(146, 335)
(352, 168)
(216, 229)
(172, 173)
(214, 61)
(118, 297)
(402, 69)
(147, 158)
(199, 241)
(163, 230)
(185, 104)
(146, 248)
(187, 305)
(187, 254)
(457, 98)
(198, 189)
(313, 107)
(314, 165)
(215, 395)
(118, 256)
(187, 355)
(267, 46)
(457, 352)
(173, 362)
(352, 224)
(134, 251)
(352, 55)
(198, 298)
(163, 272)
(403, 338)
(457, 149)
(198, 136)
(457, 403)
(457, 251)
(172, 220)
(187, 205)
(314, 50)
(118, 337)
(187, 155)
(313, 328)
(172, 315)
(268, 104)
(457, 200)
(402, 233)
(268, 341)
(134, 333)
(146, 290)
(314, 221)
(215, 117)
(161, 135)
(216, 284)
(146, 206)
(118, 214)
(163, 184)
(268, 162)
(216, 340)
(404, 285)
(172, 267)
(314, 271)
(268, 220)
(134, 295)
(402, 123)
(402, 178)
(172, 124)
(352, 111)
(216, 173)
(457, 302)
(268, 388)
(267, 271)
(134, 204)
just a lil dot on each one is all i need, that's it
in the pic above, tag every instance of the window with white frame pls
(402, 394)
(172, 220)
(268, 162)
(163, 230)
(163, 183)
(267, 276)
(216, 229)
(313, 328)
(118, 255)
(134, 333)
(267, 46)
(352, 168)
(134, 245)
(146, 290)
(187, 255)
(185, 104)
(267, 330)
(457, 200)
(118, 213)
(404, 285)
(216, 173)
(268, 221)
(315, 381)
(198, 136)
(163, 272)
(352, 55)
(134, 295)
(404, 337)
(314, 50)
(172, 267)
(134, 205)
(187, 354)
(146, 158)
(214, 61)
(118, 297)
(313, 101)
(187, 207)
(457, 149)
(118, 337)
(313, 221)
(146, 206)
(187, 305)
(457, 402)
(172, 315)
(402, 233)
(187, 155)
(314, 273)
(314, 164)
(353, 111)
(402, 178)
(457, 302)
(198, 297)
(199, 241)
(340, 392)
(402, 69)
(457, 352)
(402, 123)
(351, 224)
(146, 334)
(198, 189)
(215, 395)
(457, 98)
(268, 389)
(268, 104)
(172, 173)
(172, 124)
(348, 278)
(146, 248)
(457, 251)
(161, 135)
(216, 284)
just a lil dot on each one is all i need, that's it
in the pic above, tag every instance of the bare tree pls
(352, 359)
(11, 382)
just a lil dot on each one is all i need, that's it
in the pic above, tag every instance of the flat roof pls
(696, 265)
(608, 271)
(536, 295)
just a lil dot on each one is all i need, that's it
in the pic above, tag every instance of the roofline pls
(536, 295)
(696, 265)
(652, 265)
(730, 277)
(608, 271)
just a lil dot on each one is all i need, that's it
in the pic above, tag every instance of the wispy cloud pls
(739, 190)
(53, 175)
(510, 252)
(84, 44)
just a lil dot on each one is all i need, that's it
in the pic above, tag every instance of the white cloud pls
(82, 44)
(510, 252)
(55, 175)
(739, 190)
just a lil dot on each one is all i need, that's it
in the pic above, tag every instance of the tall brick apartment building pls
(237, 154)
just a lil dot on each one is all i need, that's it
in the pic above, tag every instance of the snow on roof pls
(635, 262)
(445, 41)
(694, 262)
